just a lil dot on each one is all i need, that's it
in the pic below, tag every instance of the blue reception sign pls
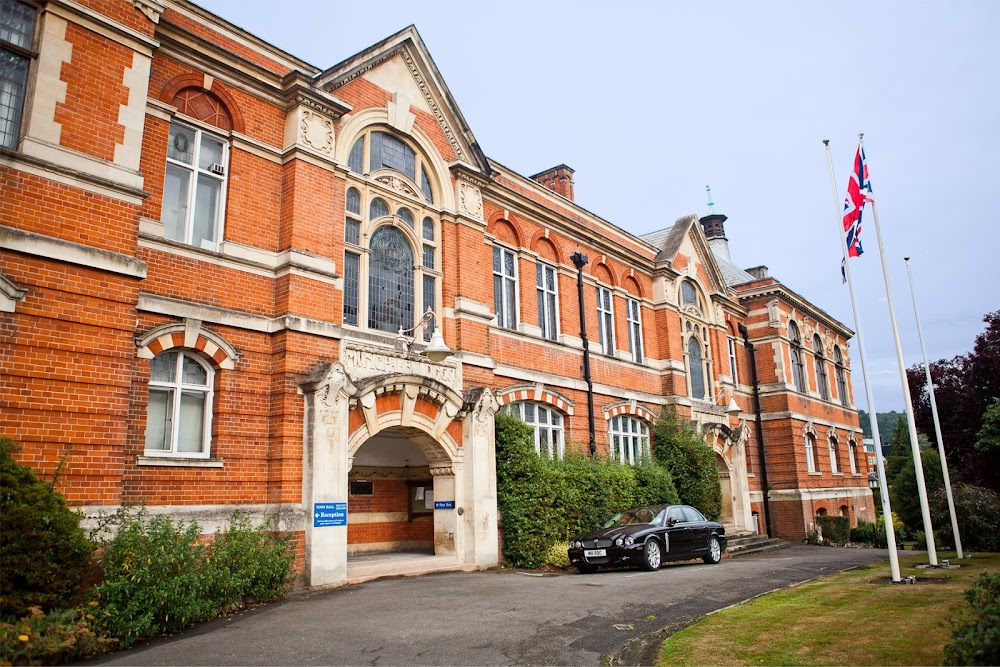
(444, 504)
(329, 514)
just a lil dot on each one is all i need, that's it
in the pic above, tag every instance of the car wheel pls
(585, 568)
(651, 556)
(714, 554)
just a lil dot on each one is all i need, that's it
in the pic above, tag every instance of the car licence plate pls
(595, 553)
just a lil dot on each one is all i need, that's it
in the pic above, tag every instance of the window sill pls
(816, 473)
(178, 462)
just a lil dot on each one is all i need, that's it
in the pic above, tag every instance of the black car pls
(648, 536)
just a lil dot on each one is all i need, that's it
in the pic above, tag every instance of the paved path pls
(489, 618)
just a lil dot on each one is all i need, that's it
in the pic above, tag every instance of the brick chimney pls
(558, 179)
(758, 272)
(715, 232)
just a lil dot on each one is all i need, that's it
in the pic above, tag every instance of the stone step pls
(371, 567)
(741, 546)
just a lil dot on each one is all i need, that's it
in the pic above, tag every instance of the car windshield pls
(636, 517)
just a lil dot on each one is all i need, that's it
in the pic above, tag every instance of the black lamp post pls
(579, 261)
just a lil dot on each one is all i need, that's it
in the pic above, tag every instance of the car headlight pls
(629, 540)
(619, 542)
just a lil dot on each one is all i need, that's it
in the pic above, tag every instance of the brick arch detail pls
(629, 408)
(197, 80)
(632, 286)
(499, 221)
(604, 274)
(191, 336)
(538, 395)
(545, 247)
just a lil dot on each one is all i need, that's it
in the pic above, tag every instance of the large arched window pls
(392, 236)
(179, 409)
(834, 454)
(821, 381)
(841, 375)
(795, 346)
(696, 367)
(694, 338)
(629, 439)
(547, 423)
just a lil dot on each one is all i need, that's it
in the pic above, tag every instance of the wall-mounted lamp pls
(733, 408)
(436, 350)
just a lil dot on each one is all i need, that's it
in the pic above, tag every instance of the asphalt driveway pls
(498, 617)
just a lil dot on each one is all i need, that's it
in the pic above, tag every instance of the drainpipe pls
(765, 489)
(580, 260)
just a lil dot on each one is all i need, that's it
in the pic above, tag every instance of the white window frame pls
(508, 284)
(26, 54)
(852, 447)
(177, 389)
(834, 445)
(548, 300)
(633, 315)
(822, 381)
(628, 435)
(733, 366)
(194, 171)
(555, 432)
(606, 320)
(810, 447)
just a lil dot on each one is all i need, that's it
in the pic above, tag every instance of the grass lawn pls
(852, 618)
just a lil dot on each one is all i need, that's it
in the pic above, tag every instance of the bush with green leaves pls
(62, 635)
(863, 533)
(975, 633)
(903, 488)
(44, 554)
(160, 577)
(835, 529)
(558, 555)
(978, 511)
(679, 448)
(544, 502)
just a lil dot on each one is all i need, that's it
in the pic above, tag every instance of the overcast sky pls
(651, 101)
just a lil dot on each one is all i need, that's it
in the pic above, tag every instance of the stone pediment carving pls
(398, 184)
(470, 200)
(316, 131)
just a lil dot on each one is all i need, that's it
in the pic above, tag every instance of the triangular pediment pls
(402, 65)
(686, 238)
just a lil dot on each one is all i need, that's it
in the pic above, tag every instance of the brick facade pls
(93, 274)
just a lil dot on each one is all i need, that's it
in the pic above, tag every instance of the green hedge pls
(835, 529)
(678, 447)
(44, 554)
(544, 502)
(975, 633)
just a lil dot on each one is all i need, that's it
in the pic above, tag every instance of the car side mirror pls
(671, 521)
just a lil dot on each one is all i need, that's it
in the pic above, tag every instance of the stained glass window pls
(390, 281)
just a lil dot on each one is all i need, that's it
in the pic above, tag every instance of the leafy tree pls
(903, 491)
(679, 448)
(899, 450)
(964, 387)
(988, 438)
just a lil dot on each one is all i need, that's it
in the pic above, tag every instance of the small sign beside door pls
(444, 504)
(329, 514)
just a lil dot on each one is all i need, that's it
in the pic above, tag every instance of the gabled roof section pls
(407, 44)
(670, 241)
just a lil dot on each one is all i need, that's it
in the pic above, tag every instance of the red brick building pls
(208, 248)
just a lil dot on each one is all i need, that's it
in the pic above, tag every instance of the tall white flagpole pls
(907, 403)
(937, 422)
(890, 533)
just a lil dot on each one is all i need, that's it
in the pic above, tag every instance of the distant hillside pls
(886, 426)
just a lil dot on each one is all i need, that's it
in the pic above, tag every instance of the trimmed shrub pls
(247, 564)
(45, 555)
(975, 633)
(863, 533)
(543, 503)
(835, 529)
(679, 448)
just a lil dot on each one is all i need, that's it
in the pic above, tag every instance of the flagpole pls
(937, 422)
(890, 533)
(907, 402)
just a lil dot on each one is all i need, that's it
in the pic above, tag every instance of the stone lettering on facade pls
(363, 362)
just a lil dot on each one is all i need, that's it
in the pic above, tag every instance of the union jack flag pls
(859, 191)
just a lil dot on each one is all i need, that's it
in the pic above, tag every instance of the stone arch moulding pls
(546, 247)
(367, 119)
(197, 80)
(435, 439)
(190, 335)
(632, 286)
(629, 408)
(536, 393)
